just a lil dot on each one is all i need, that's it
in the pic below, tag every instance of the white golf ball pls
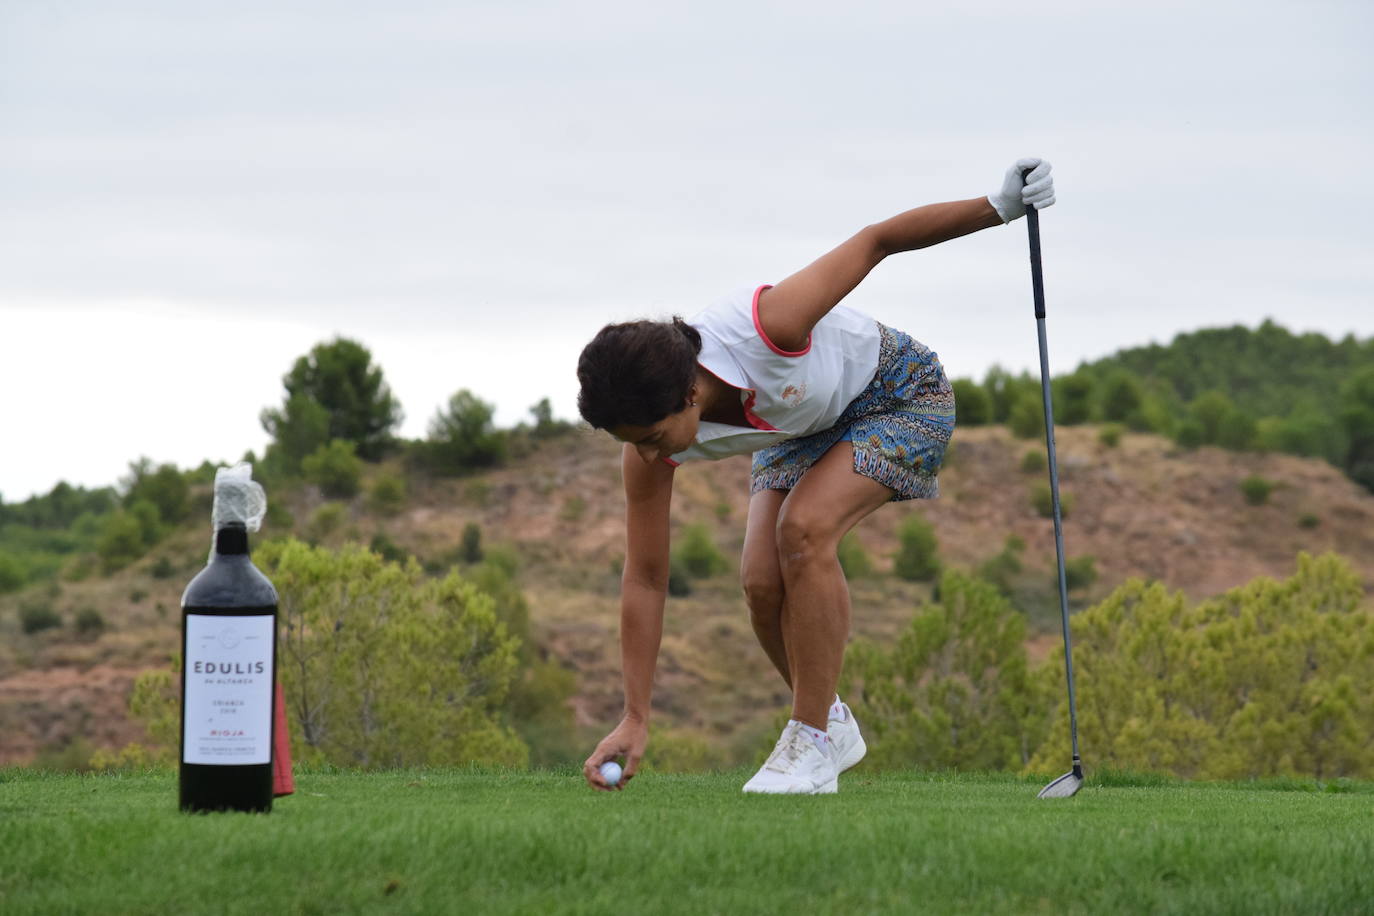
(610, 772)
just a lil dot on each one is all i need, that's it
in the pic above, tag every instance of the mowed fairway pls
(480, 842)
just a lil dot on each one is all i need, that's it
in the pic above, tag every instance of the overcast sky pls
(193, 194)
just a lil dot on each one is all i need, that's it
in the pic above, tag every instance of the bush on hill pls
(697, 555)
(971, 402)
(164, 487)
(917, 557)
(1027, 419)
(463, 438)
(854, 561)
(1042, 499)
(954, 691)
(335, 468)
(407, 671)
(1271, 679)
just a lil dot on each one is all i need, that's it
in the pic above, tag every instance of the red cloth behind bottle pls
(282, 781)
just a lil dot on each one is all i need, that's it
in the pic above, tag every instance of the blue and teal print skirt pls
(899, 425)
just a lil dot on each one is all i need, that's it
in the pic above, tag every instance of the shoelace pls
(787, 754)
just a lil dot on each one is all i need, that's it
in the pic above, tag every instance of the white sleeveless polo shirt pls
(785, 395)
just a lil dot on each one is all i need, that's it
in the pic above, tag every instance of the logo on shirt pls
(792, 395)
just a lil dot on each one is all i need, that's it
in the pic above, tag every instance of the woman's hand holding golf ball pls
(627, 741)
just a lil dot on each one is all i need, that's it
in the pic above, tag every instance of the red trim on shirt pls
(759, 327)
(754, 419)
(670, 462)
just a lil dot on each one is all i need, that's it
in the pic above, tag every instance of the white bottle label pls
(229, 677)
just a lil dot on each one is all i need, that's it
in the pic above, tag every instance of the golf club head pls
(1065, 786)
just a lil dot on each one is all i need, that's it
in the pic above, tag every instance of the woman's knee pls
(804, 537)
(763, 593)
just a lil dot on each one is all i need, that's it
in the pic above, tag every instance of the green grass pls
(482, 842)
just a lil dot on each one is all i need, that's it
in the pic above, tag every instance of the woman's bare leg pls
(830, 499)
(762, 576)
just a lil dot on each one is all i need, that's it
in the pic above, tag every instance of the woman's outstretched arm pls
(643, 589)
(789, 311)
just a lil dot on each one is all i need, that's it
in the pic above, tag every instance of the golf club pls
(1072, 781)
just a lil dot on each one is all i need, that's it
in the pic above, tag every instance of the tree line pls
(1248, 390)
(337, 414)
(1262, 389)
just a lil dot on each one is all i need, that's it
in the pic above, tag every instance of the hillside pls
(1144, 508)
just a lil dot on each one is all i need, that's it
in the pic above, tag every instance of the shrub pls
(1027, 418)
(679, 583)
(1268, 680)
(1110, 435)
(1042, 499)
(1309, 520)
(971, 402)
(13, 573)
(1079, 572)
(164, 487)
(149, 519)
(278, 516)
(335, 468)
(387, 494)
(953, 690)
(154, 702)
(1190, 434)
(1256, 489)
(1034, 461)
(325, 521)
(1308, 432)
(298, 429)
(71, 756)
(854, 560)
(696, 553)
(384, 547)
(471, 547)
(462, 437)
(1001, 568)
(917, 557)
(35, 618)
(162, 568)
(1122, 397)
(545, 426)
(540, 711)
(89, 622)
(383, 668)
(121, 541)
(1073, 398)
(680, 751)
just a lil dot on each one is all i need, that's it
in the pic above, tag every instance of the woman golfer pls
(841, 414)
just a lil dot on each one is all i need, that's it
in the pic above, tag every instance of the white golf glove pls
(1038, 190)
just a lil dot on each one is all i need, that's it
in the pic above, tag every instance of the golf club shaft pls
(1038, 288)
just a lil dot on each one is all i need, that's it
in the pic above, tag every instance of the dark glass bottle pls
(229, 651)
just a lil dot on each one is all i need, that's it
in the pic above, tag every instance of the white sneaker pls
(849, 744)
(797, 766)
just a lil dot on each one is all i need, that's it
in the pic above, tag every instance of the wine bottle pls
(229, 648)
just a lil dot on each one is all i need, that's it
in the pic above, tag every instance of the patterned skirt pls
(899, 426)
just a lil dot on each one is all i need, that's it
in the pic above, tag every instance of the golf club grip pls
(1037, 279)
